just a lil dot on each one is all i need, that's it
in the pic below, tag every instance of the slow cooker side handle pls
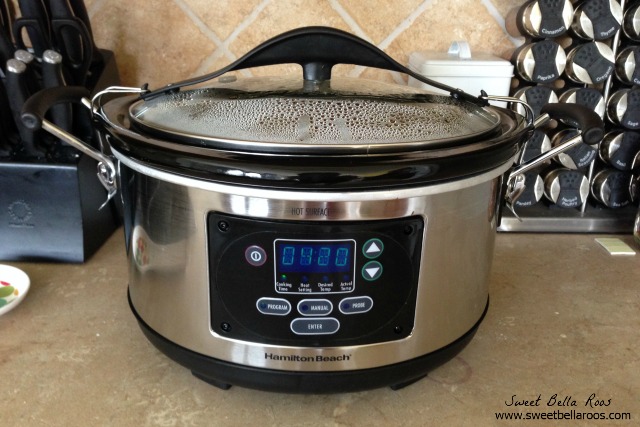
(591, 132)
(317, 50)
(590, 124)
(36, 106)
(32, 116)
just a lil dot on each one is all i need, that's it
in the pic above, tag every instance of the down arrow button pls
(372, 271)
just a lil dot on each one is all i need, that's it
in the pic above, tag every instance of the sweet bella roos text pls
(592, 401)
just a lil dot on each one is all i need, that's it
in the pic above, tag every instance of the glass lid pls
(296, 113)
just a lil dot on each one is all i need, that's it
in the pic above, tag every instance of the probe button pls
(355, 305)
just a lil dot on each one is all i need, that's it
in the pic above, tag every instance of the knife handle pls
(16, 83)
(17, 92)
(6, 50)
(5, 113)
(61, 114)
(8, 130)
(29, 60)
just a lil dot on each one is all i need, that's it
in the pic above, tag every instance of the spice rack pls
(592, 215)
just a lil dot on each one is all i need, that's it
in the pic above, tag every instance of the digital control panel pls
(306, 283)
(314, 266)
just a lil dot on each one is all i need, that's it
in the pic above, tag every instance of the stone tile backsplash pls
(162, 41)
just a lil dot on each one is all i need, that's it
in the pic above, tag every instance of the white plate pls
(14, 285)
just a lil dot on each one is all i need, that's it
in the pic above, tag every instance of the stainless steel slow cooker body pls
(174, 221)
(309, 263)
(434, 211)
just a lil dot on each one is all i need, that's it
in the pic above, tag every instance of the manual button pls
(315, 307)
(315, 326)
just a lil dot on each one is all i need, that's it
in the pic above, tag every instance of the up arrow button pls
(373, 248)
(372, 271)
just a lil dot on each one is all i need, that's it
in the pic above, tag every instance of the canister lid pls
(459, 62)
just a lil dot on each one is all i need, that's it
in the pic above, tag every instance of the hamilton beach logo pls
(298, 358)
(20, 214)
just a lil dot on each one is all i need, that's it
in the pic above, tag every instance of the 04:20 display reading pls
(311, 256)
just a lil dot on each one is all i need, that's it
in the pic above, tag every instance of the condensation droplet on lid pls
(312, 120)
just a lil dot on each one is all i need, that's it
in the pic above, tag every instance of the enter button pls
(315, 326)
(355, 305)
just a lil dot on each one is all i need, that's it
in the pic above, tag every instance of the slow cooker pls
(314, 234)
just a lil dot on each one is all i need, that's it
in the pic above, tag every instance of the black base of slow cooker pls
(224, 374)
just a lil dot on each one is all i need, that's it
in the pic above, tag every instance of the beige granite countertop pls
(563, 326)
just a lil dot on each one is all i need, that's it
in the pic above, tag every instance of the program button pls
(274, 306)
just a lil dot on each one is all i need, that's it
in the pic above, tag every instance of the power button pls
(255, 255)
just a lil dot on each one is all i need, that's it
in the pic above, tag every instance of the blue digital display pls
(311, 257)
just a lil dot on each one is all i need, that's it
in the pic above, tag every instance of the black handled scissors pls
(68, 36)
(34, 24)
(39, 36)
(74, 42)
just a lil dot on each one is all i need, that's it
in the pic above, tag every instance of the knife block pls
(51, 211)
